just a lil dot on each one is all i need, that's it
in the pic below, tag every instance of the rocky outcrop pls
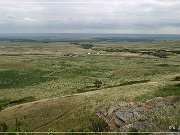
(137, 116)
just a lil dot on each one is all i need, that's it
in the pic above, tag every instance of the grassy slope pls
(72, 75)
(73, 112)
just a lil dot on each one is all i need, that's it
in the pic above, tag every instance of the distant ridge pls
(33, 37)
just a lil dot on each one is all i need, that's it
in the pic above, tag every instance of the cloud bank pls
(82, 16)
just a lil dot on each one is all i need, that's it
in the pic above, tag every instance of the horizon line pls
(71, 2)
(94, 33)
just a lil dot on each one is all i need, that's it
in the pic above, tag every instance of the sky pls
(90, 16)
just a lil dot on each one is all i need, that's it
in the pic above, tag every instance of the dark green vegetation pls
(177, 78)
(22, 78)
(41, 71)
(172, 90)
(19, 126)
(98, 83)
(129, 83)
(160, 53)
(86, 46)
(7, 102)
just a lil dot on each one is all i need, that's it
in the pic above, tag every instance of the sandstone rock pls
(125, 116)
(119, 121)
(140, 116)
(112, 109)
(114, 124)
(122, 104)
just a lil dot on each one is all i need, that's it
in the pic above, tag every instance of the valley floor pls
(50, 92)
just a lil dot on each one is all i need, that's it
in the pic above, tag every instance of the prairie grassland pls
(64, 89)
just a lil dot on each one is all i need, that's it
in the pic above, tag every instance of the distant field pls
(36, 75)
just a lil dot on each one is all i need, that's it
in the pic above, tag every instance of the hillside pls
(60, 86)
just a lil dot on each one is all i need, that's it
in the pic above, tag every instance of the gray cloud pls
(11, 16)
(125, 16)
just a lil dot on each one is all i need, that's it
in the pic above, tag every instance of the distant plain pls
(59, 86)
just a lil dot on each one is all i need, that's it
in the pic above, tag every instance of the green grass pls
(129, 83)
(171, 90)
(44, 77)
(22, 78)
(8, 102)
(28, 73)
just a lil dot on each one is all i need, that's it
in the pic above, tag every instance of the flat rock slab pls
(112, 109)
(124, 115)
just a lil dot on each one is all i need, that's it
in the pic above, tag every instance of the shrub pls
(98, 83)
(98, 124)
(3, 127)
(86, 46)
(160, 54)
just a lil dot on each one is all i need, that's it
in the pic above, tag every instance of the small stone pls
(111, 109)
(136, 114)
(142, 118)
(118, 121)
(139, 109)
(126, 109)
(122, 104)
(129, 126)
(115, 123)
(125, 116)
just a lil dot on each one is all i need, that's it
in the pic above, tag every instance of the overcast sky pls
(81, 16)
